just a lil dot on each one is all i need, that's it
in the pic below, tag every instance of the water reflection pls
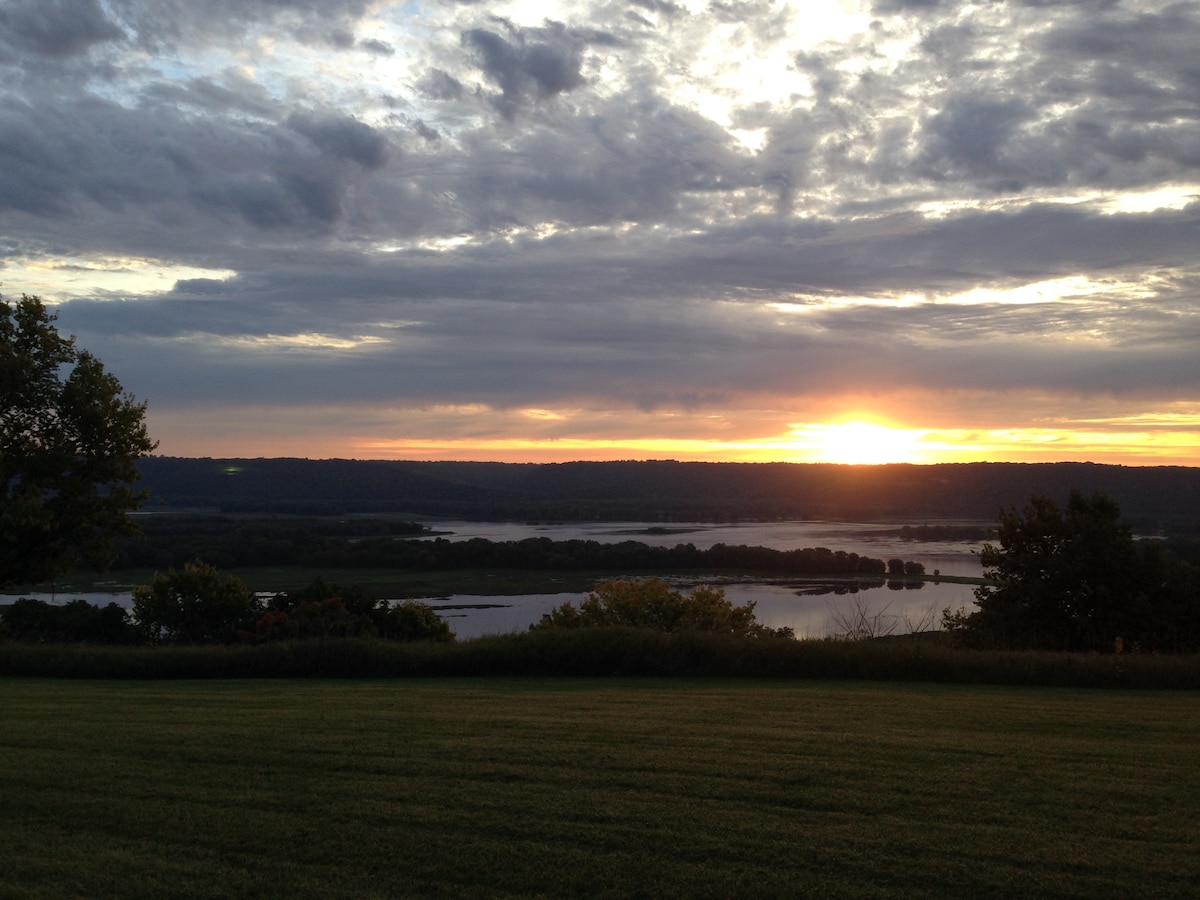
(811, 608)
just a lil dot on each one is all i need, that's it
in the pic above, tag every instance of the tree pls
(36, 620)
(411, 620)
(196, 605)
(70, 438)
(1064, 579)
(652, 603)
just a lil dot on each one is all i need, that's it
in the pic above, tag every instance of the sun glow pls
(1162, 436)
(858, 443)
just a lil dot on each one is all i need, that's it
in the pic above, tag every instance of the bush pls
(410, 620)
(322, 610)
(196, 605)
(652, 603)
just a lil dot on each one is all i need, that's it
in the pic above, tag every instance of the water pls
(776, 605)
(863, 538)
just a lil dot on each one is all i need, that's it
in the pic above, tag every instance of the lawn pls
(596, 788)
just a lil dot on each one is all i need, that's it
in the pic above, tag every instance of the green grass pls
(613, 788)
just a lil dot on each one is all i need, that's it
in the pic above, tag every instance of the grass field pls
(595, 788)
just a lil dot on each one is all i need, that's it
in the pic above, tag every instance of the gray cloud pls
(526, 69)
(56, 28)
(169, 23)
(342, 137)
(607, 240)
(373, 45)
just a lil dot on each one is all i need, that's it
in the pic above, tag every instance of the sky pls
(728, 230)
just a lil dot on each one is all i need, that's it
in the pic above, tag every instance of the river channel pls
(810, 609)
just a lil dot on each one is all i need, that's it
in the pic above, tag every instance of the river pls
(776, 604)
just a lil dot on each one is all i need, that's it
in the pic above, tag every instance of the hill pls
(1155, 497)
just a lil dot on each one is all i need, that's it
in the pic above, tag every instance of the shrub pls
(196, 605)
(652, 603)
(323, 610)
(410, 620)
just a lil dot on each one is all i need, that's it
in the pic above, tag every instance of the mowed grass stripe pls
(621, 787)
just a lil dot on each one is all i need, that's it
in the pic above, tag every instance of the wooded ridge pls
(661, 490)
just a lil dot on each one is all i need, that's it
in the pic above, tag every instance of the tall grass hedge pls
(608, 652)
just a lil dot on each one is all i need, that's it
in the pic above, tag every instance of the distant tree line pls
(1159, 497)
(314, 543)
(930, 533)
(172, 540)
(199, 604)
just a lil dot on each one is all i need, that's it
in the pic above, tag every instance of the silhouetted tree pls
(1073, 578)
(69, 441)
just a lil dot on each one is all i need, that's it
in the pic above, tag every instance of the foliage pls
(322, 610)
(311, 619)
(411, 620)
(1075, 579)
(652, 603)
(75, 621)
(197, 604)
(201, 605)
(69, 441)
(554, 652)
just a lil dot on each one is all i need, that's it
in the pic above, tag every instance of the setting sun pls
(858, 443)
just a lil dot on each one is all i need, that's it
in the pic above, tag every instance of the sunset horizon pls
(852, 231)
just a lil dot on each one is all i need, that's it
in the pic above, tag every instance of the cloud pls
(704, 209)
(56, 28)
(158, 24)
(530, 64)
(374, 45)
(342, 137)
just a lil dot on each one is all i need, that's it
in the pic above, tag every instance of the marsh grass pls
(594, 788)
(385, 582)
